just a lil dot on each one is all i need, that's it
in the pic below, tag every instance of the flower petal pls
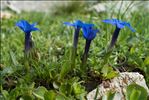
(35, 29)
(88, 32)
(120, 24)
(110, 21)
(130, 27)
(26, 27)
(76, 24)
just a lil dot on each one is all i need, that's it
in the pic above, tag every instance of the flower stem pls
(112, 43)
(84, 59)
(74, 49)
(28, 42)
(27, 51)
(114, 37)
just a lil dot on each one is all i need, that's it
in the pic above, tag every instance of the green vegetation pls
(50, 76)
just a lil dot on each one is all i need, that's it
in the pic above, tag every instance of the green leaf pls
(7, 70)
(5, 94)
(146, 61)
(132, 50)
(50, 95)
(65, 69)
(39, 92)
(108, 72)
(65, 89)
(109, 96)
(136, 92)
(27, 97)
(79, 91)
(13, 58)
(61, 97)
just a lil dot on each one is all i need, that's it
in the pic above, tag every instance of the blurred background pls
(56, 7)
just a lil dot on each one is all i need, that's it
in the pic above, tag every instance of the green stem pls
(108, 51)
(74, 48)
(26, 62)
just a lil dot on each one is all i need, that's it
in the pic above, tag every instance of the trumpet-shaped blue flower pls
(89, 32)
(26, 27)
(119, 24)
(77, 25)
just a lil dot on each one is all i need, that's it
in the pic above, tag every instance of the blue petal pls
(26, 27)
(129, 26)
(35, 29)
(76, 24)
(89, 33)
(88, 25)
(120, 24)
(110, 21)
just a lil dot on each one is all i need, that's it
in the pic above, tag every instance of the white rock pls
(118, 85)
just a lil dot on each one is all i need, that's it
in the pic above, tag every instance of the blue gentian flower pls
(119, 25)
(88, 32)
(27, 29)
(77, 25)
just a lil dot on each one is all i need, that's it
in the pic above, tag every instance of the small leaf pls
(108, 72)
(132, 50)
(79, 91)
(65, 69)
(61, 97)
(136, 92)
(111, 74)
(7, 70)
(109, 96)
(13, 58)
(39, 92)
(50, 95)
(27, 97)
(146, 61)
(5, 94)
(65, 89)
